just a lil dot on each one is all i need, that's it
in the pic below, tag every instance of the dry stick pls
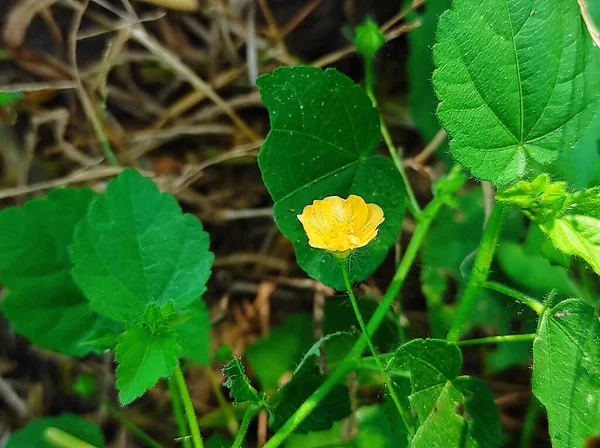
(401, 15)
(431, 147)
(88, 107)
(299, 17)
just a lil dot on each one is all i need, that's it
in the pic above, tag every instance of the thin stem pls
(365, 332)
(480, 271)
(413, 205)
(518, 295)
(137, 432)
(188, 406)
(351, 361)
(529, 425)
(241, 434)
(499, 339)
(178, 411)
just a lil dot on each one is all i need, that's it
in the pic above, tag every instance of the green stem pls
(499, 339)
(480, 271)
(188, 406)
(137, 432)
(388, 382)
(529, 425)
(61, 439)
(413, 205)
(351, 360)
(518, 295)
(178, 411)
(232, 423)
(241, 434)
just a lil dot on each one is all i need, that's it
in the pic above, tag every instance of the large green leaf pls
(323, 132)
(517, 81)
(144, 355)
(44, 303)
(34, 434)
(305, 380)
(137, 248)
(566, 372)
(452, 411)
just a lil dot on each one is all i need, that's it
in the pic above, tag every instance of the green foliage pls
(421, 97)
(194, 333)
(279, 352)
(239, 385)
(452, 410)
(9, 97)
(323, 132)
(144, 355)
(305, 380)
(368, 39)
(571, 220)
(566, 372)
(375, 430)
(517, 84)
(137, 248)
(33, 435)
(86, 386)
(44, 303)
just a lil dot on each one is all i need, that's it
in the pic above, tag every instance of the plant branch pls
(178, 411)
(518, 295)
(137, 432)
(188, 406)
(241, 434)
(499, 339)
(386, 377)
(480, 271)
(352, 359)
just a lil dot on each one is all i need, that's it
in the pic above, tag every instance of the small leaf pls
(33, 435)
(323, 133)
(44, 303)
(10, 97)
(566, 372)
(453, 411)
(144, 356)
(517, 84)
(137, 248)
(304, 382)
(278, 353)
(577, 231)
(194, 334)
(239, 385)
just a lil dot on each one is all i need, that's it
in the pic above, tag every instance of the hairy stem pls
(188, 406)
(499, 339)
(480, 271)
(241, 434)
(178, 411)
(365, 332)
(352, 359)
(518, 295)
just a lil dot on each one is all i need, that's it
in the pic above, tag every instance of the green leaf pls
(217, 441)
(144, 356)
(44, 303)
(577, 230)
(279, 352)
(323, 132)
(33, 435)
(374, 430)
(239, 385)
(518, 84)
(304, 382)
(421, 97)
(194, 333)
(10, 97)
(329, 437)
(566, 372)
(137, 248)
(452, 410)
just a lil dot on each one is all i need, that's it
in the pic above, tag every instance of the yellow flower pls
(338, 225)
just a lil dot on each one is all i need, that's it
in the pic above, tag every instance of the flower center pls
(341, 228)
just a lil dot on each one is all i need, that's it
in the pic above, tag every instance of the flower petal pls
(374, 219)
(338, 208)
(357, 209)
